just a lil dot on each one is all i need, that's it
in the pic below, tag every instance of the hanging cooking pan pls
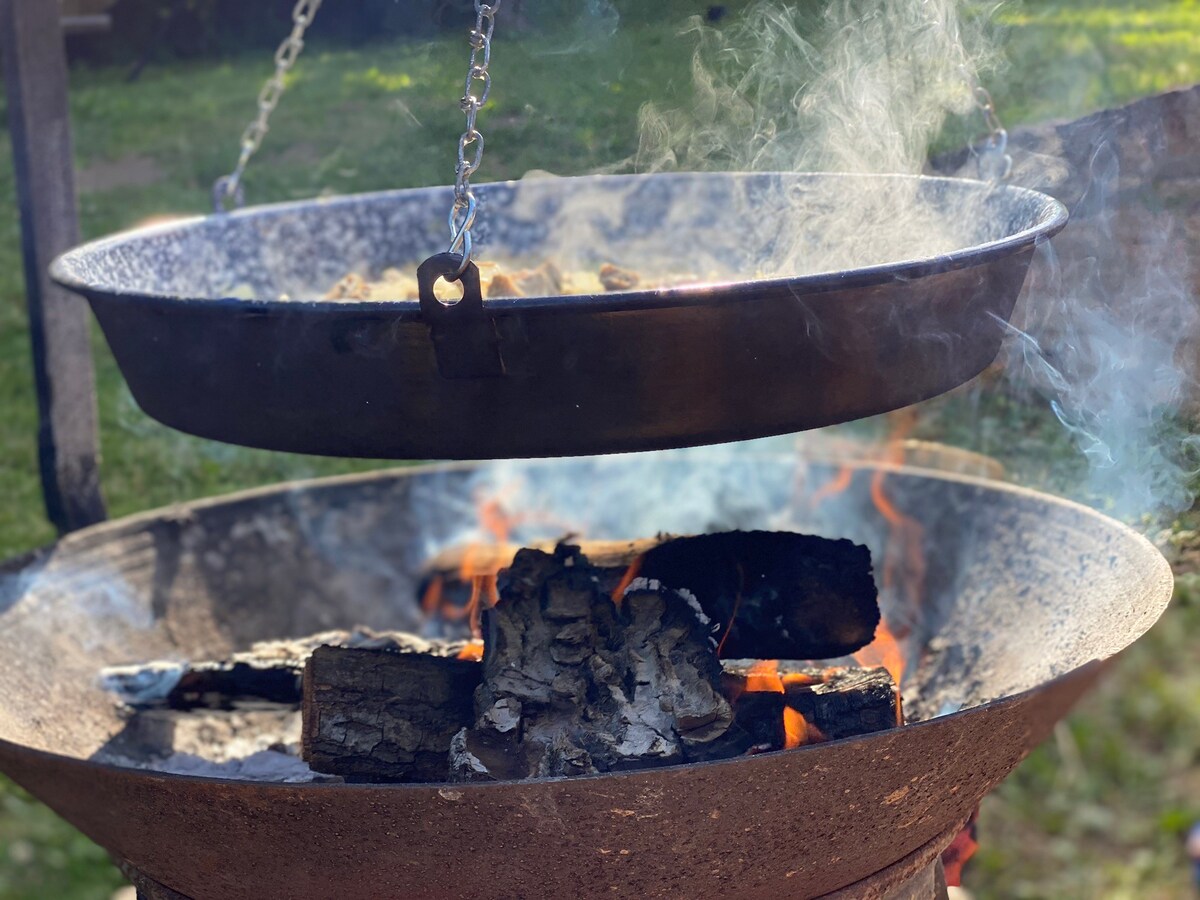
(755, 304)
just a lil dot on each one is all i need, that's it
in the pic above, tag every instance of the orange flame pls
(479, 568)
(495, 520)
(795, 729)
(801, 679)
(839, 484)
(959, 852)
(903, 568)
(473, 651)
(631, 573)
(763, 678)
(737, 603)
(883, 651)
(432, 599)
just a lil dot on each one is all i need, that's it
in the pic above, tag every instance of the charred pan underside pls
(1005, 622)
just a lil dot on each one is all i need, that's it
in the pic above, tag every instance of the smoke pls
(870, 86)
(864, 86)
(593, 26)
(1103, 348)
(853, 86)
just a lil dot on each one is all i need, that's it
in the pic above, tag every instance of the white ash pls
(465, 765)
(270, 766)
(144, 684)
(655, 586)
(252, 742)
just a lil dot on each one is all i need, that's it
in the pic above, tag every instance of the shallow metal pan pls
(883, 291)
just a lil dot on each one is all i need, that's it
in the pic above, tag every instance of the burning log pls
(384, 715)
(770, 594)
(269, 671)
(575, 684)
(830, 703)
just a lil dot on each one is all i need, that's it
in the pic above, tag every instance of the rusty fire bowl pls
(1024, 597)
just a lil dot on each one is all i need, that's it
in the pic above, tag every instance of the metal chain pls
(466, 205)
(992, 158)
(229, 187)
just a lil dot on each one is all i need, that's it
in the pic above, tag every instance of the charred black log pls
(575, 684)
(833, 703)
(218, 685)
(777, 594)
(384, 715)
(269, 671)
(771, 594)
(847, 702)
(760, 714)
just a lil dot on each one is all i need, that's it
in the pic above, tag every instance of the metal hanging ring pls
(226, 189)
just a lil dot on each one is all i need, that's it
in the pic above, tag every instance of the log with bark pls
(269, 671)
(770, 594)
(576, 684)
(384, 715)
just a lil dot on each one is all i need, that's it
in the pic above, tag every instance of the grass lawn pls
(1097, 813)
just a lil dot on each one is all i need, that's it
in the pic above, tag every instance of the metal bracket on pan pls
(464, 335)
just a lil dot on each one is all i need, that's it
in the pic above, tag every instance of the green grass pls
(1102, 809)
(1096, 814)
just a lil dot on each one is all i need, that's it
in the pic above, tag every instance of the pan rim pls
(1051, 219)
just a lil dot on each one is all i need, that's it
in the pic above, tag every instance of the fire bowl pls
(1017, 601)
(821, 299)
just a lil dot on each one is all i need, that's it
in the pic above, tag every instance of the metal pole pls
(35, 79)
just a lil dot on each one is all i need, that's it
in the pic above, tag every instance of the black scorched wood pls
(770, 595)
(776, 595)
(837, 702)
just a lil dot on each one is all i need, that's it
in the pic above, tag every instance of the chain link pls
(229, 187)
(466, 205)
(992, 158)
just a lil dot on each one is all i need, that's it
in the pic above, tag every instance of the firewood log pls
(384, 715)
(575, 684)
(834, 702)
(269, 671)
(769, 594)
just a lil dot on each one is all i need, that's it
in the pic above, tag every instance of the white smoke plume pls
(869, 86)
